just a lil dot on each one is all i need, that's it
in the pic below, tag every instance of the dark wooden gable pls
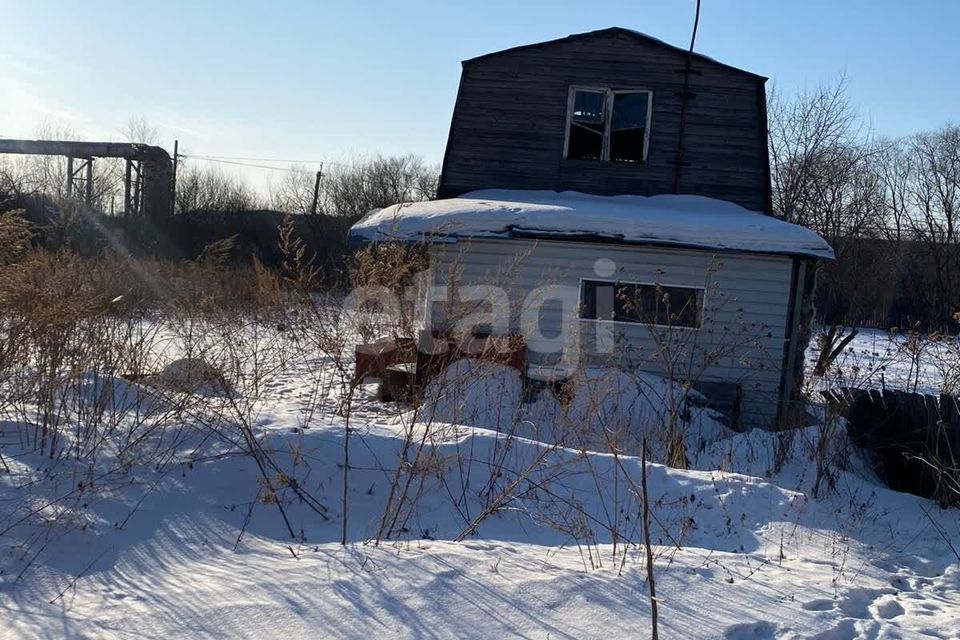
(509, 122)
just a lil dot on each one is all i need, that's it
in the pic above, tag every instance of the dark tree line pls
(212, 204)
(345, 189)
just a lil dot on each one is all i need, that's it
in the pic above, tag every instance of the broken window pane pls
(585, 137)
(629, 126)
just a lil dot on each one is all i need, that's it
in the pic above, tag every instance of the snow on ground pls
(876, 359)
(744, 548)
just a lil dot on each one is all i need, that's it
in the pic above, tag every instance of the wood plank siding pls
(509, 122)
(741, 340)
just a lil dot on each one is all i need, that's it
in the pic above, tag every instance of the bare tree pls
(894, 167)
(213, 190)
(824, 177)
(933, 212)
(294, 192)
(11, 189)
(821, 172)
(46, 174)
(140, 131)
(355, 190)
(352, 190)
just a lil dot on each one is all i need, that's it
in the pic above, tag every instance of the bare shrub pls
(392, 268)
(15, 235)
(113, 369)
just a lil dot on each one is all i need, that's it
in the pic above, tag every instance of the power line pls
(252, 159)
(220, 160)
(239, 160)
(239, 164)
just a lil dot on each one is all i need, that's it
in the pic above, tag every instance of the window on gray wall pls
(641, 303)
(607, 124)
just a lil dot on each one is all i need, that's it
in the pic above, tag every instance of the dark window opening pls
(641, 303)
(608, 125)
(628, 131)
(587, 124)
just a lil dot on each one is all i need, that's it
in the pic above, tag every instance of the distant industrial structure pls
(148, 176)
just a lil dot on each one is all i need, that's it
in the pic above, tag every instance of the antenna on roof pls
(679, 162)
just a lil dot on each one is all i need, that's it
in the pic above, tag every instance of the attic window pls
(587, 125)
(604, 124)
(642, 303)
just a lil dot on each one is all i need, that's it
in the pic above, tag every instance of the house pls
(607, 197)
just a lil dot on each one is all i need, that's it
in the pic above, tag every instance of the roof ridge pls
(611, 30)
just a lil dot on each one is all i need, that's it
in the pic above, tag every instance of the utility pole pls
(316, 191)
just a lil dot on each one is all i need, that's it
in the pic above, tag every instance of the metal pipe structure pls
(156, 166)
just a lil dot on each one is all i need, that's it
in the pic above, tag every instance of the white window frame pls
(607, 119)
(701, 311)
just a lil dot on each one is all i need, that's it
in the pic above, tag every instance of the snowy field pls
(875, 359)
(752, 541)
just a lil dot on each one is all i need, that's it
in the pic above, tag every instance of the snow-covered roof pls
(664, 220)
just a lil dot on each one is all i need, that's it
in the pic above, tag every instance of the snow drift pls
(602, 407)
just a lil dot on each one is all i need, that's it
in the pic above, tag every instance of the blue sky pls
(332, 80)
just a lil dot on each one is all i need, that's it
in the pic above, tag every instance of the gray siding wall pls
(509, 123)
(745, 310)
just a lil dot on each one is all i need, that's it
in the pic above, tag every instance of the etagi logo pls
(548, 315)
